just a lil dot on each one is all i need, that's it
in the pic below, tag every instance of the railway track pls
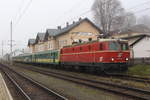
(129, 77)
(125, 77)
(136, 93)
(28, 88)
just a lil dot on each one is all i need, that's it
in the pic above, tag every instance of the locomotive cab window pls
(124, 46)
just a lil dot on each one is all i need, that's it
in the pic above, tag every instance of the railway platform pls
(4, 92)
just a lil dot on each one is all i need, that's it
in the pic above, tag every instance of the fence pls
(140, 61)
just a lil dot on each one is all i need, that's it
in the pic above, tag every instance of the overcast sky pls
(32, 16)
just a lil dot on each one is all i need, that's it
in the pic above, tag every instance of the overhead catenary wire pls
(77, 5)
(23, 12)
(84, 13)
(145, 3)
(21, 5)
(70, 10)
(139, 11)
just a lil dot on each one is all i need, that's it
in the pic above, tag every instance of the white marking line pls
(6, 88)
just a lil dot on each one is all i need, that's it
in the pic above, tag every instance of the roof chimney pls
(59, 27)
(67, 24)
(80, 19)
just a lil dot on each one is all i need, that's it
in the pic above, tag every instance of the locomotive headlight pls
(112, 59)
(127, 59)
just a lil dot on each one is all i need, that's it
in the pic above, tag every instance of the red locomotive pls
(100, 55)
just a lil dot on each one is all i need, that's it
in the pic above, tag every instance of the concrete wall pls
(140, 61)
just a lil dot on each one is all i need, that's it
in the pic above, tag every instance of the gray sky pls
(43, 14)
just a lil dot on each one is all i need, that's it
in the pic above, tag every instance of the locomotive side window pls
(56, 55)
(114, 46)
(80, 48)
(89, 48)
(61, 51)
(101, 46)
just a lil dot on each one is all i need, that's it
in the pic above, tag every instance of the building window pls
(62, 43)
(49, 45)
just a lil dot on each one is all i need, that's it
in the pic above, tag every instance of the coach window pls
(55, 55)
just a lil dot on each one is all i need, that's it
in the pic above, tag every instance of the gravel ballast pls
(71, 90)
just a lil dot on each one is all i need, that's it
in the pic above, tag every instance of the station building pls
(79, 31)
(31, 46)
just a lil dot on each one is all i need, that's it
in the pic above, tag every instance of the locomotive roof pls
(100, 40)
(107, 40)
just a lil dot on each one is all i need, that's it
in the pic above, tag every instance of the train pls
(97, 56)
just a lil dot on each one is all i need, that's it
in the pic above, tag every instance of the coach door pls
(54, 57)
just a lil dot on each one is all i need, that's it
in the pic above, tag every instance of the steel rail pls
(78, 81)
(37, 84)
(129, 77)
(17, 86)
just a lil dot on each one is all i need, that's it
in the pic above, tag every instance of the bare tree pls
(144, 20)
(108, 13)
(129, 20)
